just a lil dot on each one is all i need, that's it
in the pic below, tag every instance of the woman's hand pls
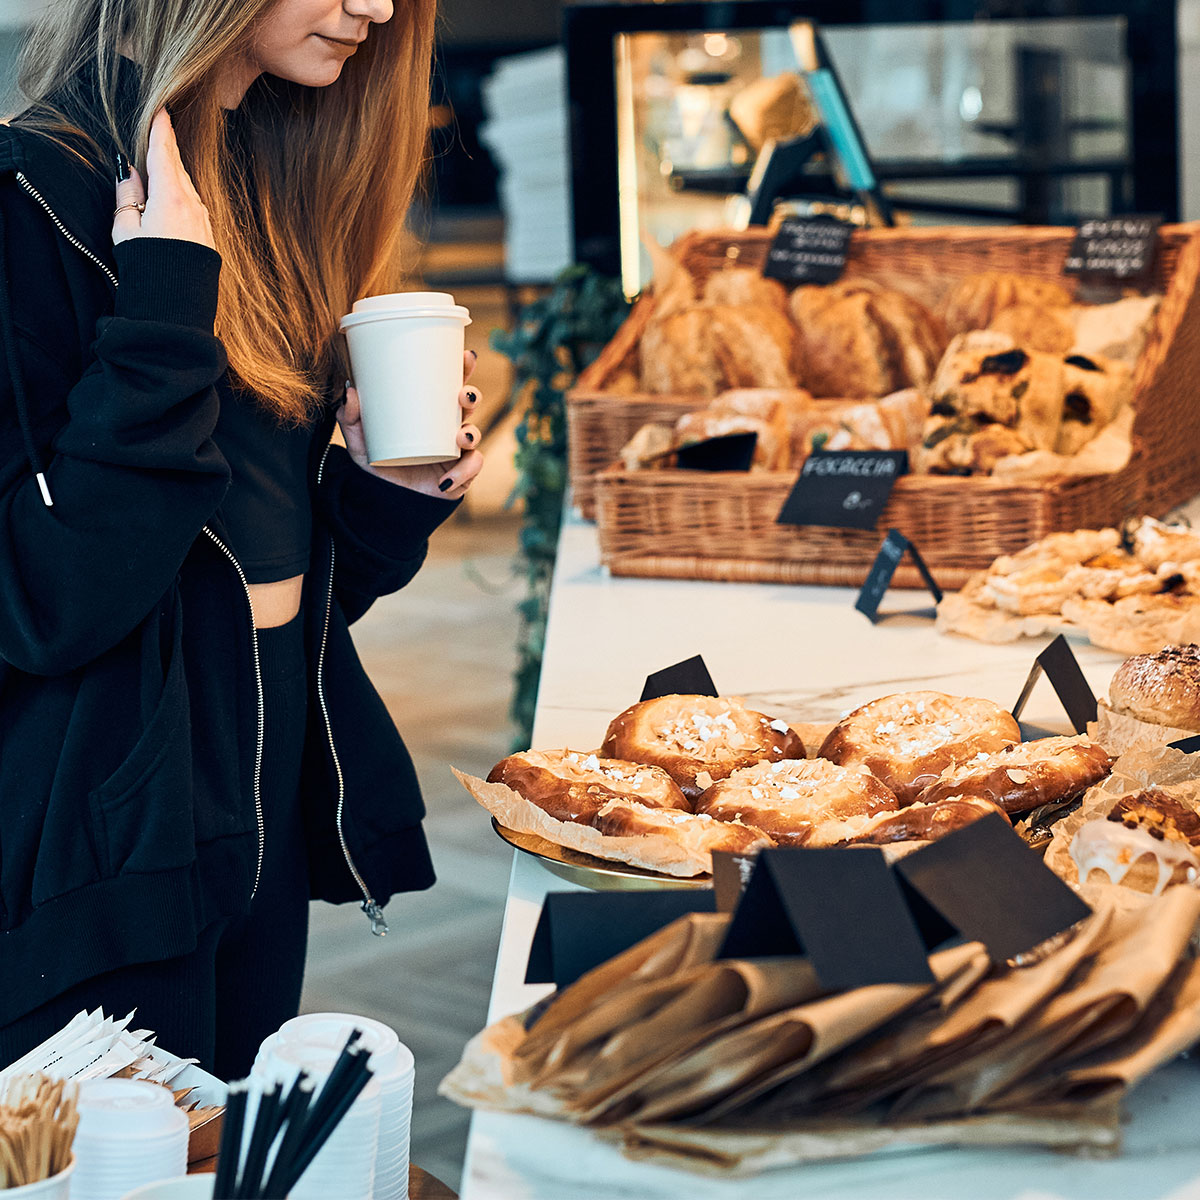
(171, 208)
(449, 479)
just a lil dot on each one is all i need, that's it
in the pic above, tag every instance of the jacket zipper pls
(374, 912)
(66, 233)
(258, 684)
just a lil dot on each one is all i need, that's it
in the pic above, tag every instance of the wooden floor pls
(441, 653)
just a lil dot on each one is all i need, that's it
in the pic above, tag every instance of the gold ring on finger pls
(141, 208)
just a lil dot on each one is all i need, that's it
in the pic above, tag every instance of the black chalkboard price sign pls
(1117, 249)
(845, 489)
(809, 250)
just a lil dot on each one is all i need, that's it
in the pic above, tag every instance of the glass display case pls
(1018, 117)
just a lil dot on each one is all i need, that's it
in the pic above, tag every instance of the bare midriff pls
(276, 603)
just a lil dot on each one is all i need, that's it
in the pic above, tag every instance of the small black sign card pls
(846, 489)
(687, 678)
(1114, 248)
(733, 452)
(1059, 664)
(579, 930)
(861, 922)
(809, 250)
(879, 578)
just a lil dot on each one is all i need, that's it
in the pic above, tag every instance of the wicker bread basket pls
(699, 525)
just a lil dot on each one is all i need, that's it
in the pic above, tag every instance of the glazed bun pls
(1161, 689)
(698, 739)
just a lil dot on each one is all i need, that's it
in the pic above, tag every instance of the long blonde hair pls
(330, 171)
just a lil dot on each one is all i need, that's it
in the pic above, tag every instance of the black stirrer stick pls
(261, 1137)
(331, 1088)
(320, 1125)
(295, 1109)
(231, 1142)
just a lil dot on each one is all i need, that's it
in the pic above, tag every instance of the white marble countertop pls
(805, 654)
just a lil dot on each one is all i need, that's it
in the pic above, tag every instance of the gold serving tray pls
(598, 874)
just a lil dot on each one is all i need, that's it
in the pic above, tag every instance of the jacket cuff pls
(169, 280)
(392, 520)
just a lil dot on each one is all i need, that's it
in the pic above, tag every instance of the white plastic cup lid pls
(390, 1058)
(128, 1109)
(400, 300)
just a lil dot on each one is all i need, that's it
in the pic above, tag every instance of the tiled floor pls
(441, 653)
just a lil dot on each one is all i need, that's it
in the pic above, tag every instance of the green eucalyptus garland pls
(555, 338)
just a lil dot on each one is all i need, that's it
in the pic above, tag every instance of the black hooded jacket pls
(130, 704)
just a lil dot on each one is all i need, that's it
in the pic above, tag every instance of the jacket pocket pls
(143, 812)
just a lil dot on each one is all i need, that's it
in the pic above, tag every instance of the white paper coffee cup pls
(406, 351)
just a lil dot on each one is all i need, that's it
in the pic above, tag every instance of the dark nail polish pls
(122, 168)
(472, 396)
(349, 385)
(445, 485)
(469, 436)
(474, 356)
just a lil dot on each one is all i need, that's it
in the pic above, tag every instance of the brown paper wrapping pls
(734, 1066)
(651, 851)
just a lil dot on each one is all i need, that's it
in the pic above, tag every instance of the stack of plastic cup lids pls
(345, 1166)
(130, 1133)
(393, 1067)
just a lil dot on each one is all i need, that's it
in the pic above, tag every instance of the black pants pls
(243, 980)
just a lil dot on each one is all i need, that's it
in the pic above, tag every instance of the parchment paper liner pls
(651, 851)
(1120, 733)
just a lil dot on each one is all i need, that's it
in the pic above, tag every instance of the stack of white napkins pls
(93, 1046)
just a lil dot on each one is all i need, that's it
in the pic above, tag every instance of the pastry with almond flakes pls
(698, 739)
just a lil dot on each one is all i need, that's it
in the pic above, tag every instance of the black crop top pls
(268, 508)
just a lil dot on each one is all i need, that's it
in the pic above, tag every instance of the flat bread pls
(700, 833)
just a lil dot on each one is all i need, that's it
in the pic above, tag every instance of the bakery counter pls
(807, 655)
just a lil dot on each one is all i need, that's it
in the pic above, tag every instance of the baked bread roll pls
(1148, 842)
(1095, 389)
(571, 786)
(1162, 688)
(1160, 546)
(908, 739)
(798, 802)
(922, 822)
(698, 739)
(893, 423)
(1036, 327)
(977, 301)
(1025, 776)
(859, 339)
(697, 833)
(743, 287)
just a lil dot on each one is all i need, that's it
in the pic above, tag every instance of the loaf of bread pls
(1161, 689)
(859, 339)
(977, 301)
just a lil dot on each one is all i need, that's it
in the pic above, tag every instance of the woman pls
(189, 747)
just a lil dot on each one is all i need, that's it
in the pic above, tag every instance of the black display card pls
(687, 678)
(1059, 664)
(731, 875)
(846, 489)
(879, 579)
(841, 907)
(809, 250)
(993, 888)
(1189, 745)
(579, 930)
(1120, 249)
(733, 452)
